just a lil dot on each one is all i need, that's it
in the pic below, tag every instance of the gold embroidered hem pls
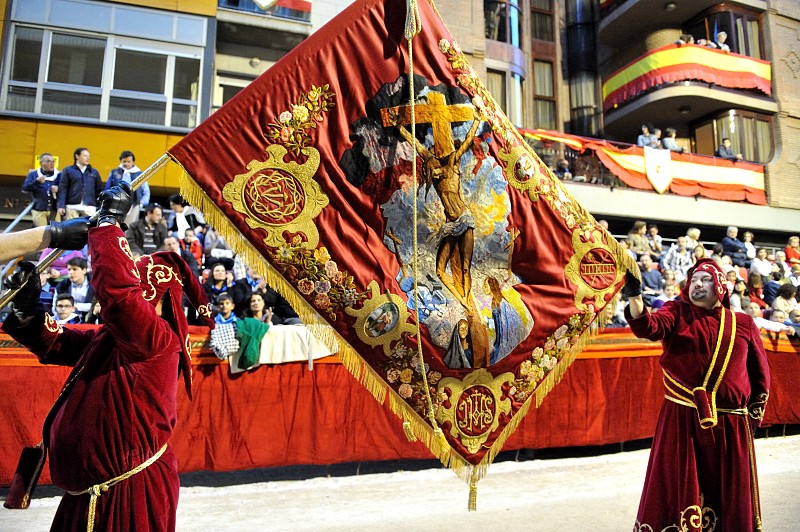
(98, 489)
(694, 518)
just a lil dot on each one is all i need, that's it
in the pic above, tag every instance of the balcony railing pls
(684, 174)
(673, 63)
(289, 9)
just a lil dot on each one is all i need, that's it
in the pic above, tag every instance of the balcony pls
(299, 10)
(675, 85)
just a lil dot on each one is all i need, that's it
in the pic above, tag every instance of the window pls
(544, 103)
(496, 83)
(503, 21)
(542, 20)
(80, 59)
(750, 134)
(741, 26)
(227, 86)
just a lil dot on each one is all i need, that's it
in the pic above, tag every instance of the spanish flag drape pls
(310, 173)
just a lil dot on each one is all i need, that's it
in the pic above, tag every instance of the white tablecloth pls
(286, 343)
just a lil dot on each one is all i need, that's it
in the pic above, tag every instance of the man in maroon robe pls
(108, 432)
(702, 471)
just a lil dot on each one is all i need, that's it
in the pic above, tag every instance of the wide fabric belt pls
(98, 489)
(703, 398)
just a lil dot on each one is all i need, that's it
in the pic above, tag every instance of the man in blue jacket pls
(79, 188)
(42, 185)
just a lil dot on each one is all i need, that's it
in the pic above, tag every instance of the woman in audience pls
(747, 240)
(699, 252)
(638, 236)
(256, 309)
(755, 291)
(792, 251)
(739, 296)
(785, 300)
(761, 265)
(218, 282)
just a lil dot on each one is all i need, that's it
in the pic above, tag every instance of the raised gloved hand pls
(115, 204)
(26, 301)
(71, 234)
(633, 286)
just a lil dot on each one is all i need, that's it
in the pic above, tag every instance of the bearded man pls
(702, 464)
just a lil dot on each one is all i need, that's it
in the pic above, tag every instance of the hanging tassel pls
(408, 431)
(413, 25)
(473, 491)
(441, 440)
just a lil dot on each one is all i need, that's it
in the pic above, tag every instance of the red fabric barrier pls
(285, 415)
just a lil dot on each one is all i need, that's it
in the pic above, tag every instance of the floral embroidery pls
(291, 128)
(318, 277)
(404, 372)
(544, 359)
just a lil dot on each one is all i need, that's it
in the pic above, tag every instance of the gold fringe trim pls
(414, 426)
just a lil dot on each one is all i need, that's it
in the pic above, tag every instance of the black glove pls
(71, 234)
(633, 286)
(26, 302)
(115, 204)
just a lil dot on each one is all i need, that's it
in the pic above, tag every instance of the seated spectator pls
(561, 170)
(257, 309)
(246, 286)
(192, 243)
(726, 151)
(669, 142)
(699, 252)
(734, 248)
(651, 280)
(147, 234)
(730, 279)
(225, 308)
(93, 316)
(739, 296)
(684, 38)
(65, 310)
(216, 250)
(60, 264)
(171, 244)
(716, 256)
(706, 43)
(678, 259)
(792, 250)
(770, 289)
(780, 264)
(48, 290)
(217, 282)
(626, 245)
(720, 41)
(794, 278)
(784, 300)
(761, 265)
(657, 139)
(750, 249)
(638, 237)
(669, 279)
(794, 320)
(647, 138)
(670, 292)
(655, 241)
(755, 290)
(693, 237)
(754, 311)
(183, 216)
(282, 311)
(77, 285)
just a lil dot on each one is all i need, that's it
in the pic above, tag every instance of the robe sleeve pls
(49, 341)
(654, 326)
(758, 372)
(138, 331)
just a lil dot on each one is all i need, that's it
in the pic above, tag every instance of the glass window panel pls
(740, 38)
(747, 138)
(763, 141)
(545, 5)
(140, 111)
(71, 104)
(191, 31)
(543, 78)
(545, 111)
(30, 11)
(26, 55)
(84, 15)
(21, 99)
(184, 115)
(514, 25)
(496, 83)
(228, 92)
(495, 14)
(515, 105)
(150, 23)
(542, 27)
(187, 75)
(140, 71)
(753, 42)
(76, 60)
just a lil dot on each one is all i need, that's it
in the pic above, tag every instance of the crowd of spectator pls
(235, 289)
(763, 285)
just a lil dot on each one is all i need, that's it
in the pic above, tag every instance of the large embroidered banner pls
(327, 178)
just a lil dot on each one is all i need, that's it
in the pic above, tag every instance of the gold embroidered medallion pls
(592, 269)
(382, 319)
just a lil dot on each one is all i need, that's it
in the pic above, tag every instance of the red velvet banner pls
(410, 225)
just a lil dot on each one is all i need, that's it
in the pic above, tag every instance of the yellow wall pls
(23, 140)
(196, 7)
